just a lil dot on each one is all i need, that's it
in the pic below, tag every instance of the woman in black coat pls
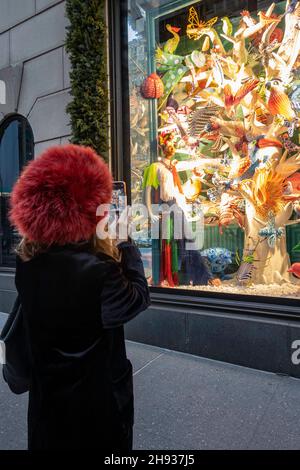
(76, 292)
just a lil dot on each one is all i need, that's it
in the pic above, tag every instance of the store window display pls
(173, 263)
(215, 122)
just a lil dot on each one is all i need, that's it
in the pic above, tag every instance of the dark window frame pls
(281, 307)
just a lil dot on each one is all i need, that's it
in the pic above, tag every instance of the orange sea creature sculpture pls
(295, 269)
(152, 87)
(278, 102)
(234, 99)
(229, 212)
(295, 182)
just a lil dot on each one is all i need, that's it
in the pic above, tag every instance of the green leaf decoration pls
(166, 61)
(86, 46)
(227, 26)
(239, 113)
(296, 248)
(170, 80)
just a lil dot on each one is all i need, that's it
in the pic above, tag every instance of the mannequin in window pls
(172, 263)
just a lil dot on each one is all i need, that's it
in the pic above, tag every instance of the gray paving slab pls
(187, 402)
(13, 412)
(200, 404)
(280, 426)
(142, 355)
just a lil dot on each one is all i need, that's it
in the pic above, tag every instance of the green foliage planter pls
(86, 45)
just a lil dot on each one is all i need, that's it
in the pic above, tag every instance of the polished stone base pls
(257, 334)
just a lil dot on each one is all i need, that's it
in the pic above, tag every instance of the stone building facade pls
(32, 35)
(35, 69)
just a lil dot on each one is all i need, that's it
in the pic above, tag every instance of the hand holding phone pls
(123, 226)
(119, 198)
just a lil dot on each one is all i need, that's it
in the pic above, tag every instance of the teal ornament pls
(271, 232)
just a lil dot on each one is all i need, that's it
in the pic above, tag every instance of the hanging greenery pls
(86, 45)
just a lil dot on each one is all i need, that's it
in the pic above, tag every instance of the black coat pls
(75, 304)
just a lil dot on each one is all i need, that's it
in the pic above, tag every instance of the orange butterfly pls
(195, 27)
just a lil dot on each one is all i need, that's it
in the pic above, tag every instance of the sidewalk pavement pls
(187, 402)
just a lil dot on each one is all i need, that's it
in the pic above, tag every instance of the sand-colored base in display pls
(272, 290)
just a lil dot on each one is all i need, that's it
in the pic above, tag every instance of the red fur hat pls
(57, 195)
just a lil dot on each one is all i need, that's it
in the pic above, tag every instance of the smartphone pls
(119, 199)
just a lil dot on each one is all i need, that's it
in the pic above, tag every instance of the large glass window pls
(16, 148)
(214, 134)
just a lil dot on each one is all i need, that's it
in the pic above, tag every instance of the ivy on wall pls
(86, 45)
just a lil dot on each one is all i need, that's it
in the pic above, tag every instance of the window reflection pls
(214, 93)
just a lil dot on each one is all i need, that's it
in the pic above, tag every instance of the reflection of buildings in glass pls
(115, 198)
(217, 102)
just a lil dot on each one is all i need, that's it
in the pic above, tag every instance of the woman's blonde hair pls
(106, 246)
(28, 249)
